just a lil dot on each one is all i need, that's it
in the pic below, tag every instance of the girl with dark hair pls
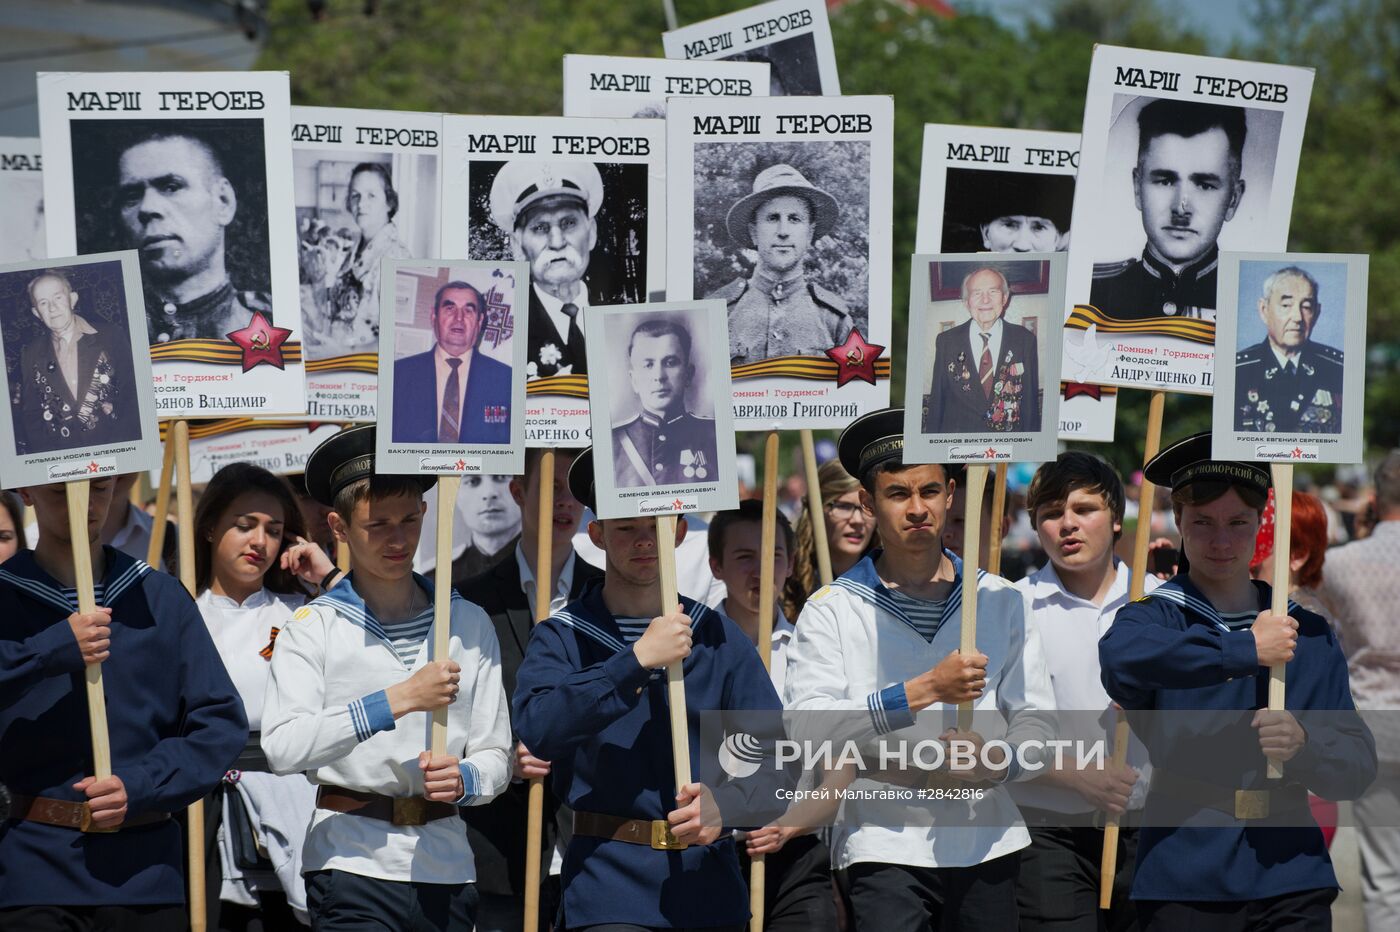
(11, 526)
(253, 568)
(372, 203)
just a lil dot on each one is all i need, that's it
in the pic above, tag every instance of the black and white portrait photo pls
(22, 236)
(191, 199)
(75, 365)
(792, 36)
(991, 210)
(793, 67)
(782, 238)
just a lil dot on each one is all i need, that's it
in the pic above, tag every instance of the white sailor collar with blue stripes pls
(864, 582)
(346, 602)
(1181, 591)
(122, 572)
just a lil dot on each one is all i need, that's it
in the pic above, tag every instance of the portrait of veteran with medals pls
(664, 444)
(986, 372)
(549, 211)
(1286, 382)
(776, 311)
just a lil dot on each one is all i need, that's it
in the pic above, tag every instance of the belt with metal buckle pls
(70, 814)
(1246, 805)
(396, 810)
(655, 833)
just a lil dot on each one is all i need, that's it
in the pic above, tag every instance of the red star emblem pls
(460, 465)
(855, 359)
(678, 504)
(93, 467)
(261, 342)
(1297, 453)
(990, 454)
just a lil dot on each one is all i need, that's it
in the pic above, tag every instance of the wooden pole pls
(179, 437)
(442, 595)
(768, 543)
(675, 676)
(78, 495)
(1283, 551)
(972, 526)
(167, 466)
(342, 556)
(998, 509)
(1137, 582)
(544, 562)
(816, 509)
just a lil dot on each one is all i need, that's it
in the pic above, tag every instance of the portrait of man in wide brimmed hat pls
(776, 311)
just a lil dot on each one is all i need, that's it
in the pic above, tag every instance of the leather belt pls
(397, 810)
(75, 815)
(1242, 804)
(654, 833)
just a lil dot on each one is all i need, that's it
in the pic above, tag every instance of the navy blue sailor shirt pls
(1190, 682)
(584, 703)
(175, 721)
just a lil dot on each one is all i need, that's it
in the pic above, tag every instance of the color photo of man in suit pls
(549, 211)
(452, 393)
(986, 373)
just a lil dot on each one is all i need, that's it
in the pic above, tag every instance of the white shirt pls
(1070, 629)
(65, 350)
(444, 371)
(560, 597)
(240, 632)
(974, 334)
(554, 308)
(1284, 358)
(783, 631)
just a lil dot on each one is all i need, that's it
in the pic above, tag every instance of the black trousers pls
(1305, 911)
(900, 898)
(1058, 889)
(94, 919)
(629, 927)
(797, 887)
(345, 902)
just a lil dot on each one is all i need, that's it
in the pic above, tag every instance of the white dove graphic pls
(1087, 355)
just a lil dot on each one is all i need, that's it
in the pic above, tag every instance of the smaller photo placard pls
(984, 358)
(793, 36)
(663, 424)
(454, 392)
(1294, 325)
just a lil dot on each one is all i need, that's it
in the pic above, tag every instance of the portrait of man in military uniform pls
(1187, 184)
(664, 444)
(1287, 382)
(549, 212)
(777, 310)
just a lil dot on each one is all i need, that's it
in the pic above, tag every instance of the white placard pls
(194, 171)
(368, 184)
(794, 36)
(22, 236)
(983, 358)
(1182, 156)
(781, 208)
(280, 447)
(625, 87)
(1295, 326)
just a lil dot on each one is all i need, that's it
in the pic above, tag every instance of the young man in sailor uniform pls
(884, 639)
(591, 699)
(1223, 847)
(1076, 505)
(80, 853)
(350, 699)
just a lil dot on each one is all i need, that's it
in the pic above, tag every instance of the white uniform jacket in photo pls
(1069, 629)
(854, 650)
(326, 713)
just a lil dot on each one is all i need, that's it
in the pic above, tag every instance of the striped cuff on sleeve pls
(889, 709)
(471, 783)
(371, 715)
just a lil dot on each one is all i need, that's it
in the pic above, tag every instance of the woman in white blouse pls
(253, 569)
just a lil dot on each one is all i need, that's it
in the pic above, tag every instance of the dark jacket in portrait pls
(106, 407)
(651, 451)
(210, 317)
(485, 414)
(1147, 288)
(957, 403)
(543, 332)
(497, 830)
(1304, 397)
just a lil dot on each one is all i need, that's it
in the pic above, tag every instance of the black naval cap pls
(581, 479)
(342, 459)
(1188, 460)
(875, 438)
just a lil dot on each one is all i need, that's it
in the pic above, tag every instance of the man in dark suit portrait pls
(506, 592)
(452, 393)
(549, 210)
(76, 386)
(986, 372)
(1287, 382)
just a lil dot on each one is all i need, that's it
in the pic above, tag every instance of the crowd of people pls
(297, 699)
